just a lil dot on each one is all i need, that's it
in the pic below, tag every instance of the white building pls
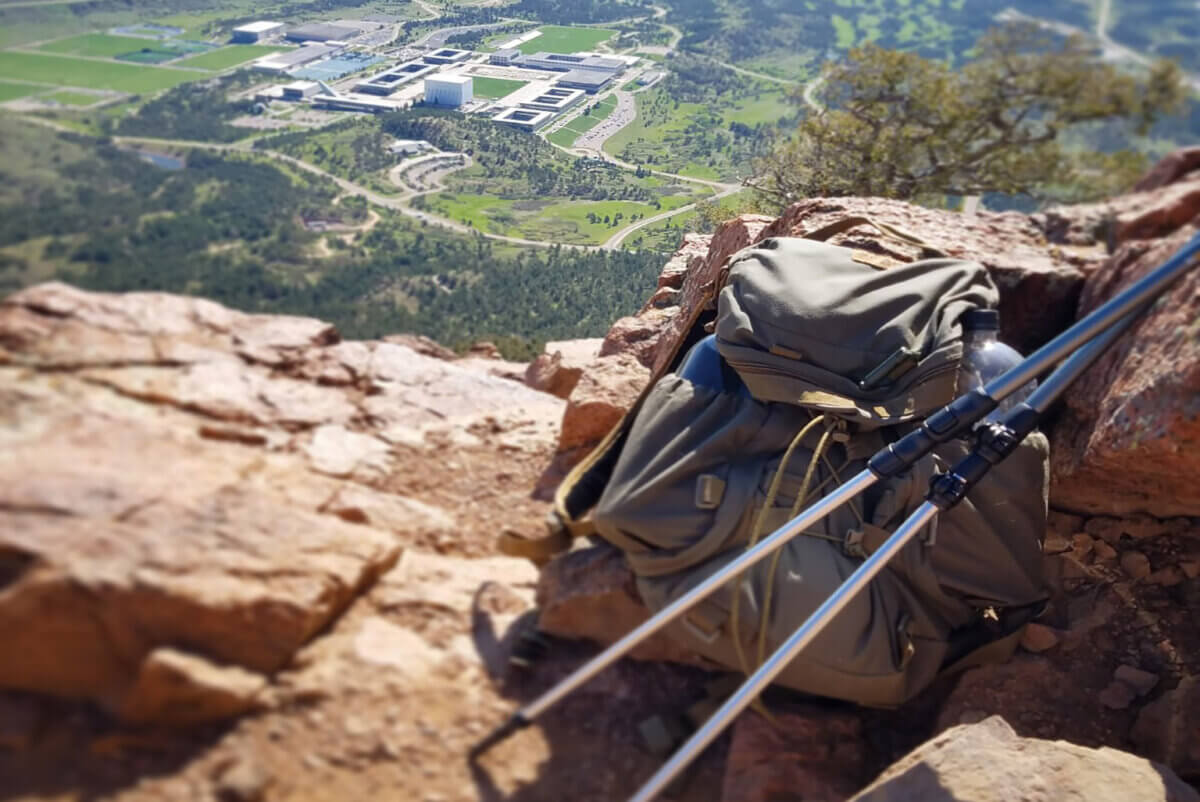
(525, 119)
(256, 31)
(409, 147)
(299, 90)
(448, 90)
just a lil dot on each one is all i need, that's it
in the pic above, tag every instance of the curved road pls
(395, 203)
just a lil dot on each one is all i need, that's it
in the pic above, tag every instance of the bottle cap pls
(981, 320)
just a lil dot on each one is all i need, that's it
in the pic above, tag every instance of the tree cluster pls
(894, 124)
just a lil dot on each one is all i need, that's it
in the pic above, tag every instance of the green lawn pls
(492, 88)
(98, 45)
(767, 108)
(563, 39)
(226, 57)
(89, 74)
(11, 91)
(560, 221)
(70, 98)
(570, 132)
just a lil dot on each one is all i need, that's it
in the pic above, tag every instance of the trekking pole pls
(942, 426)
(946, 490)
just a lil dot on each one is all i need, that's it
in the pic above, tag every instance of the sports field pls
(226, 57)
(63, 71)
(10, 91)
(491, 88)
(564, 39)
(98, 45)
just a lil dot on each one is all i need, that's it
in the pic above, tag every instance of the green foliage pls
(510, 163)
(234, 228)
(196, 111)
(574, 11)
(702, 120)
(355, 149)
(895, 124)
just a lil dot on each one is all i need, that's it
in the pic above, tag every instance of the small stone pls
(387, 749)
(20, 718)
(242, 781)
(1116, 696)
(1055, 544)
(1103, 551)
(1038, 638)
(1167, 577)
(971, 716)
(1191, 569)
(1135, 564)
(1081, 543)
(354, 726)
(313, 761)
(1142, 682)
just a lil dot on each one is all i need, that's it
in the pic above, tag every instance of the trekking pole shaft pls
(965, 411)
(1056, 383)
(784, 655)
(685, 602)
(1131, 299)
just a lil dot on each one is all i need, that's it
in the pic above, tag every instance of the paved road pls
(398, 204)
(615, 240)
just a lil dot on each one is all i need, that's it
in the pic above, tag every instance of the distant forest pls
(237, 229)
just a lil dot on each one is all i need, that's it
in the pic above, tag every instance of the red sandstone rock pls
(189, 494)
(1168, 729)
(590, 594)
(805, 753)
(1129, 438)
(638, 335)
(729, 238)
(989, 762)
(558, 368)
(1171, 168)
(606, 389)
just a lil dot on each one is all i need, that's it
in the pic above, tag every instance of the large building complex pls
(584, 71)
(322, 32)
(290, 59)
(448, 90)
(256, 31)
(523, 91)
(447, 55)
(388, 81)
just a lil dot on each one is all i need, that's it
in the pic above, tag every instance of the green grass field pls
(226, 57)
(492, 88)
(567, 222)
(11, 91)
(98, 45)
(89, 74)
(570, 132)
(69, 98)
(563, 39)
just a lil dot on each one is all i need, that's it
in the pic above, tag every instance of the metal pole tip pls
(515, 723)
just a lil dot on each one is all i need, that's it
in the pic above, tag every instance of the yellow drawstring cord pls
(765, 614)
(756, 532)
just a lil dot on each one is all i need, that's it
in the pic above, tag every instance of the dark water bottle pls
(705, 366)
(985, 358)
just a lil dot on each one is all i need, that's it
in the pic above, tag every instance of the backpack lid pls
(807, 323)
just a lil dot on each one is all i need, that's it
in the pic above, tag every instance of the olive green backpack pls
(836, 358)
